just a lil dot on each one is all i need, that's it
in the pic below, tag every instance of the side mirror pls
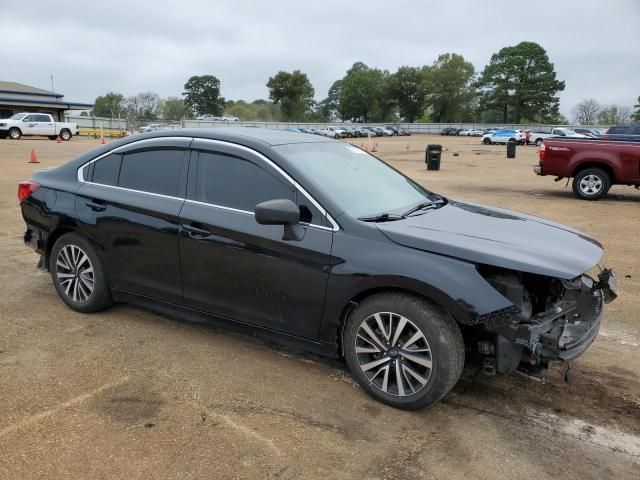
(281, 212)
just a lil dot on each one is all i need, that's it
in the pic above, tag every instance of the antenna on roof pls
(52, 87)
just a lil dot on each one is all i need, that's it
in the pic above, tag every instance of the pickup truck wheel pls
(591, 184)
(337, 136)
(403, 350)
(538, 142)
(15, 134)
(65, 135)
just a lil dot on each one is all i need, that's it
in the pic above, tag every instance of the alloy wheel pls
(591, 185)
(394, 354)
(74, 273)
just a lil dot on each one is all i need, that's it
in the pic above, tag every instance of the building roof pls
(14, 87)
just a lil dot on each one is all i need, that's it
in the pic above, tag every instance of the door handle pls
(195, 232)
(96, 206)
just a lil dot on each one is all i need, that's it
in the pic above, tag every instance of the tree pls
(143, 105)
(329, 107)
(294, 92)
(173, 109)
(448, 87)
(636, 114)
(202, 95)
(111, 105)
(520, 81)
(586, 112)
(362, 94)
(406, 88)
(614, 115)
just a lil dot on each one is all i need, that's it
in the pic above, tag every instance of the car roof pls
(266, 136)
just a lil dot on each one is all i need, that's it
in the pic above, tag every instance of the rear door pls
(236, 268)
(45, 125)
(129, 206)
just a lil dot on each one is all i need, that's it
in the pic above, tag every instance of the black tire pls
(52, 137)
(486, 141)
(100, 295)
(15, 133)
(538, 142)
(591, 184)
(443, 347)
(65, 135)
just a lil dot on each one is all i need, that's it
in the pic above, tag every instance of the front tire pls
(486, 141)
(15, 134)
(403, 350)
(78, 275)
(591, 184)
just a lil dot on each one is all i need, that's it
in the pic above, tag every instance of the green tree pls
(362, 94)
(448, 87)
(636, 114)
(405, 87)
(202, 95)
(111, 105)
(173, 109)
(144, 105)
(294, 92)
(520, 81)
(329, 107)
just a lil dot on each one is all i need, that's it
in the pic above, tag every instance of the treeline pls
(518, 85)
(590, 112)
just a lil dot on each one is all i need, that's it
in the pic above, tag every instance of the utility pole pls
(52, 87)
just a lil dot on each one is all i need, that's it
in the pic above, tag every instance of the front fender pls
(453, 284)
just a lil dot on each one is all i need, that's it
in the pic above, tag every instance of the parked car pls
(502, 136)
(152, 127)
(404, 132)
(332, 132)
(291, 129)
(208, 117)
(623, 132)
(314, 131)
(362, 132)
(594, 165)
(465, 132)
(36, 124)
(229, 118)
(539, 137)
(476, 132)
(450, 131)
(271, 232)
(395, 130)
(589, 132)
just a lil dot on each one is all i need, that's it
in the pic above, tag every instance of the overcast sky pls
(131, 46)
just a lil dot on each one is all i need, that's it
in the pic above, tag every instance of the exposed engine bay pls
(551, 319)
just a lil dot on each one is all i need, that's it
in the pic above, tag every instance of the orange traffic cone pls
(375, 147)
(102, 142)
(58, 139)
(407, 147)
(34, 157)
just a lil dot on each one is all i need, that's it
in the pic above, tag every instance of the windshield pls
(358, 182)
(18, 116)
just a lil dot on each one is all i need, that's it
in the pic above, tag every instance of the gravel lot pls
(130, 394)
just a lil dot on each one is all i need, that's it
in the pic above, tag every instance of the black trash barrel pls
(433, 157)
(511, 149)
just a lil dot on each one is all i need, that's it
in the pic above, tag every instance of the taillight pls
(543, 148)
(605, 137)
(25, 189)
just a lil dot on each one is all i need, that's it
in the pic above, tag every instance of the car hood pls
(497, 237)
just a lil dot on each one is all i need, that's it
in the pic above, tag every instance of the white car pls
(208, 117)
(465, 133)
(539, 137)
(332, 132)
(229, 118)
(152, 127)
(36, 124)
(502, 136)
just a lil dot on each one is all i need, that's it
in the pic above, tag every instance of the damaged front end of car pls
(551, 319)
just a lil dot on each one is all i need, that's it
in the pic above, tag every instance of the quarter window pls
(106, 170)
(154, 171)
(236, 183)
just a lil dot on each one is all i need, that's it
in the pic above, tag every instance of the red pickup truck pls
(594, 165)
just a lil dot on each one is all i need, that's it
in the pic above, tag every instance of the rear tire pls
(486, 141)
(78, 275)
(395, 368)
(591, 184)
(52, 137)
(65, 135)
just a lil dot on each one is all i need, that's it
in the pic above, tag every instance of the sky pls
(132, 46)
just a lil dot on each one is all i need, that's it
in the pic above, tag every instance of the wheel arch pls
(602, 165)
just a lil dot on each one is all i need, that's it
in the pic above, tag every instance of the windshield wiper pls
(383, 217)
(424, 206)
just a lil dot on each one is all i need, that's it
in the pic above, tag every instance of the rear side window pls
(106, 170)
(43, 118)
(235, 183)
(153, 171)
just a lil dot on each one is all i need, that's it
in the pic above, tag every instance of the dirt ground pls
(130, 394)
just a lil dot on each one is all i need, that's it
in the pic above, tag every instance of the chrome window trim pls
(334, 228)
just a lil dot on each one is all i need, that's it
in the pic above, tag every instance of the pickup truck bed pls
(594, 165)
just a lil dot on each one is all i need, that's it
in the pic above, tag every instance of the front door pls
(236, 268)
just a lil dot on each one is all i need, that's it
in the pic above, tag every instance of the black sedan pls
(317, 243)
